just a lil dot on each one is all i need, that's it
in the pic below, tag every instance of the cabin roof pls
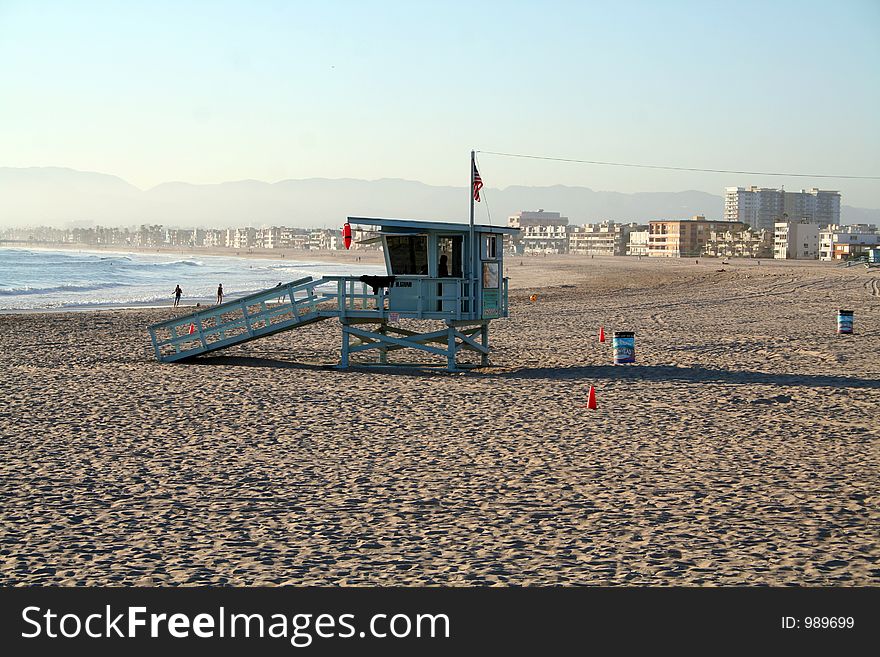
(413, 226)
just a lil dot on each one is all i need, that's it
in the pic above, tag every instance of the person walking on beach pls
(220, 294)
(177, 293)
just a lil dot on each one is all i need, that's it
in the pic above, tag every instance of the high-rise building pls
(762, 207)
(816, 206)
(758, 207)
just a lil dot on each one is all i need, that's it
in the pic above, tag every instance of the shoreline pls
(323, 255)
(103, 308)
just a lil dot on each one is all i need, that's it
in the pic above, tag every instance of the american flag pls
(478, 182)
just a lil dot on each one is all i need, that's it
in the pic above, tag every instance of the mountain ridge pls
(56, 196)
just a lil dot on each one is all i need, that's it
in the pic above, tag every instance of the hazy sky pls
(213, 91)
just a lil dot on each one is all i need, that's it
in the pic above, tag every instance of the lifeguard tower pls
(443, 272)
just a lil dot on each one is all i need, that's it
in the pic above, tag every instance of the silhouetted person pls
(220, 294)
(443, 269)
(177, 293)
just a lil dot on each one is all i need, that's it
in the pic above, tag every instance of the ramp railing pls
(253, 316)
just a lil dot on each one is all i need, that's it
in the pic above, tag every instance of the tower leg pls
(450, 358)
(484, 335)
(383, 352)
(346, 337)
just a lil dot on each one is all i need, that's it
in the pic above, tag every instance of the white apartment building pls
(737, 240)
(842, 242)
(215, 238)
(540, 232)
(544, 239)
(539, 218)
(241, 238)
(324, 239)
(757, 207)
(297, 240)
(637, 245)
(606, 238)
(179, 237)
(269, 238)
(797, 240)
(762, 207)
(287, 237)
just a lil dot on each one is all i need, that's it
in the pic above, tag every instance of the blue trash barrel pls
(845, 321)
(623, 345)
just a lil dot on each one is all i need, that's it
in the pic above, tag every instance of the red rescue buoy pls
(346, 235)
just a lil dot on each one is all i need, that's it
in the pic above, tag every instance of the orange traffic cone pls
(591, 401)
(601, 334)
(192, 329)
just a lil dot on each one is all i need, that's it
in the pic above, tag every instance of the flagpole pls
(473, 244)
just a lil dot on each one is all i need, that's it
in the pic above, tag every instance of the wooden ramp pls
(263, 313)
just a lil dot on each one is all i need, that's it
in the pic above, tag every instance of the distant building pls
(298, 241)
(737, 240)
(539, 218)
(637, 245)
(758, 207)
(814, 205)
(607, 238)
(796, 240)
(292, 238)
(241, 238)
(324, 239)
(682, 238)
(762, 207)
(363, 238)
(540, 232)
(843, 242)
(268, 238)
(181, 237)
(544, 239)
(215, 238)
(147, 235)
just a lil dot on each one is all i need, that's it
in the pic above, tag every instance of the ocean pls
(44, 279)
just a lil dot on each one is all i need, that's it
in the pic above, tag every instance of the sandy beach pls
(740, 449)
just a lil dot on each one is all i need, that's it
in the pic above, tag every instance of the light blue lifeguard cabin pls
(444, 272)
